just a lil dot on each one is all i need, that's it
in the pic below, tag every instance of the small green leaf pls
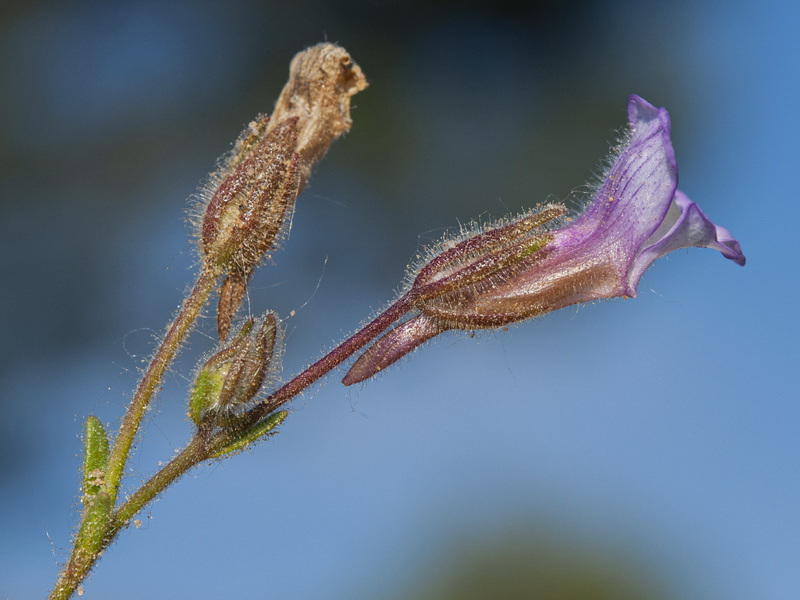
(94, 526)
(95, 455)
(254, 432)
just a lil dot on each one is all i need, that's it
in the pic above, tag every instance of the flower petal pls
(638, 188)
(687, 227)
(590, 258)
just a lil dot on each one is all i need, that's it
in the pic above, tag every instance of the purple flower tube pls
(529, 267)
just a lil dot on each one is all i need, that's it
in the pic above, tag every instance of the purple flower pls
(528, 268)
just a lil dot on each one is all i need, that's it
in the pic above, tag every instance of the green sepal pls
(95, 455)
(207, 387)
(233, 375)
(254, 432)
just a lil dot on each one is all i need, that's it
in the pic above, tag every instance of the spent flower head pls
(249, 200)
(525, 269)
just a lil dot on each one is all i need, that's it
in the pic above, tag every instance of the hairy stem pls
(94, 536)
(328, 362)
(201, 447)
(194, 452)
(152, 378)
(259, 183)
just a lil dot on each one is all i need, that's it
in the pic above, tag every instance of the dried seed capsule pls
(252, 195)
(247, 210)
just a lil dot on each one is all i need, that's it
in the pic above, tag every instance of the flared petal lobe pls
(685, 226)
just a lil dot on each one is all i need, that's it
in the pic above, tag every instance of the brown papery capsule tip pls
(252, 196)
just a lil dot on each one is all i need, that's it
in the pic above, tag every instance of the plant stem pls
(152, 378)
(201, 447)
(91, 542)
(194, 452)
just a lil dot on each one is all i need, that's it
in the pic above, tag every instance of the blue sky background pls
(660, 431)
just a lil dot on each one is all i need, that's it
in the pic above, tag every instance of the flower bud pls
(233, 376)
(246, 213)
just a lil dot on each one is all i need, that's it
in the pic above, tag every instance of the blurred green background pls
(639, 449)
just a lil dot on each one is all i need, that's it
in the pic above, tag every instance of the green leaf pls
(95, 455)
(93, 529)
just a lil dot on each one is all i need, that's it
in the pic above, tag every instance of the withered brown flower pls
(252, 195)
